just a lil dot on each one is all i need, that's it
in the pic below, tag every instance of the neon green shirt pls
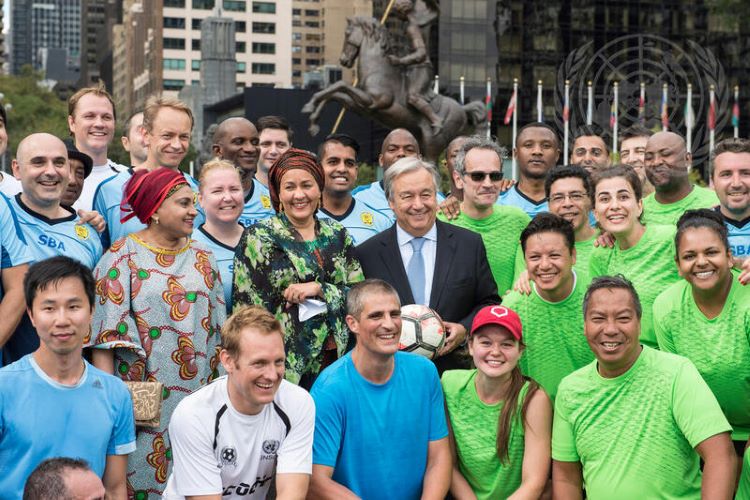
(474, 425)
(719, 347)
(669, 213)
(583, 255)
(501, 233)
(649, 264)
(635, 434)
(553, 334)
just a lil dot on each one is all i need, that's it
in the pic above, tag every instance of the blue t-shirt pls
(515, 198)
(360, 220)
(257, 205)
(107, 199)
(41, 418)
(224, 255)
(739, 235)
(373, 195)
(376, 436)
(52, 237)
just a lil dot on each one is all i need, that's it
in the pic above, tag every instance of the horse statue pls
(381, 92)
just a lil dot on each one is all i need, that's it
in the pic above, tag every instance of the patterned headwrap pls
(291, 159)
(146, 191)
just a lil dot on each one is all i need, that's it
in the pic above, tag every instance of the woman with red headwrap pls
(160, 304)
(299, 267)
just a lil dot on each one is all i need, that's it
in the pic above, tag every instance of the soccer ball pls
(422, 331)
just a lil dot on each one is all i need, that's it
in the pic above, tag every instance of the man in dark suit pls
(429, 262)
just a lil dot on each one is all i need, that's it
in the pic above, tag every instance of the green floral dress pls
(271, 256)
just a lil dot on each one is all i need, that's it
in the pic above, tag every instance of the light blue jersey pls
(373, 195)
(515, 198)
(739, 236)
(107, 199)
(41, 418)
(257, 205)
(360, 220)
(52, 237)
(224, 255)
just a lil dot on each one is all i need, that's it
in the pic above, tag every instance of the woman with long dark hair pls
(500, 421)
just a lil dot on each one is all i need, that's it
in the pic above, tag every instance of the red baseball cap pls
(498, 315)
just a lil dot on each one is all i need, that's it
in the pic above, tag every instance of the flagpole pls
(539, 110)
(436, 86)
(614, 115)
(461, 89)
(711, 121)
(689, 119)
(642, 105)
(489, 106)
(566, 122)
(590, 104)
(664, 109)
(736, 112)
(513, 167)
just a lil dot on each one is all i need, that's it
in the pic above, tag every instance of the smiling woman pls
(294, 262)
(160, 307)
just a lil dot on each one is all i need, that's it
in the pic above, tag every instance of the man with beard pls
(667, 163)
(590, 150)
(338, 155)
(537, 150)
(633, 142)
(236, 140)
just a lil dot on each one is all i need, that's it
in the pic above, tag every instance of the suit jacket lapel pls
(446, 250)
(391, 256)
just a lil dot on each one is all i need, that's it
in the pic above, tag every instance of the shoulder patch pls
(367, 218)
(82, 232)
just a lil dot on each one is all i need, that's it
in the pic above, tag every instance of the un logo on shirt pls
(228, 456)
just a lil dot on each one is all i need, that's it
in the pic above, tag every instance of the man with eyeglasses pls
(478, 173)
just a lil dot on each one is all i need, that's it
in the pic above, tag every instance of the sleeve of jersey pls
(662, 325)
(438, 425)
(695, 408)
(195, 470)
(329, 425)
(122, 441)
(14, 249)
(563, 438)
(295, 453)
(109, 213)
(519, 263)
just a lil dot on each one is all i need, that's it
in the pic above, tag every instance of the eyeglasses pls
(575, 196)
(480, 176)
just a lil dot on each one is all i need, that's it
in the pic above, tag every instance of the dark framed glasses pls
(480, 176)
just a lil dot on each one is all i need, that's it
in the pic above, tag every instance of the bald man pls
(236, 140)
(667, 163)
(399, 143)
(48, 227)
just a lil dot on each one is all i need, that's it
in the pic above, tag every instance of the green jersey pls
(649, 264)
(719, 347)
(553, 334)
(583, 255)
(635, 434)
(501, 233)
(474, 425)
(669, 213)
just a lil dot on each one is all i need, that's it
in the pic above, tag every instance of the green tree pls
(32, 108)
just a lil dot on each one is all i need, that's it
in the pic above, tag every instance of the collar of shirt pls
(403, 238)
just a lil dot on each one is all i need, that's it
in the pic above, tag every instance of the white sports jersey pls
(217, 450)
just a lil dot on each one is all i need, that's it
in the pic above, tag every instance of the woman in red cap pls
(500, 421)
(160, 306)
(299, 267)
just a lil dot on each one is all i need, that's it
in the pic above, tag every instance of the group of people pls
(597, 316)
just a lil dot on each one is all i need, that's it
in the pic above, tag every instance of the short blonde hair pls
(215, 164)
(155, 103)
(100, 90)
(245, 317)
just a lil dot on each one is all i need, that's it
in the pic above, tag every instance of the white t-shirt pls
(217, 450)
(9, 185)
(98, 174)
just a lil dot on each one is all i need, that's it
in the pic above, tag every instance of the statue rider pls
(419, 71)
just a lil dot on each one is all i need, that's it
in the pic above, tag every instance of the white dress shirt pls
(429, 251)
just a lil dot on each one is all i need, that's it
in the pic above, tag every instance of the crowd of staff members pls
(238, 335)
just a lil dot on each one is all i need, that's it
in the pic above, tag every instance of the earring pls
(156, 221)
(281, 208)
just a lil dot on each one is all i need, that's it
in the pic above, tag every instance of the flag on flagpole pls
(566, 121)
(511, 108)
(612, 118)
(539, 105)
(488, 107)
(711, 109)
(736, 111)
(664, 108)
(689, 118)
(642, 105)
(566, 103)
